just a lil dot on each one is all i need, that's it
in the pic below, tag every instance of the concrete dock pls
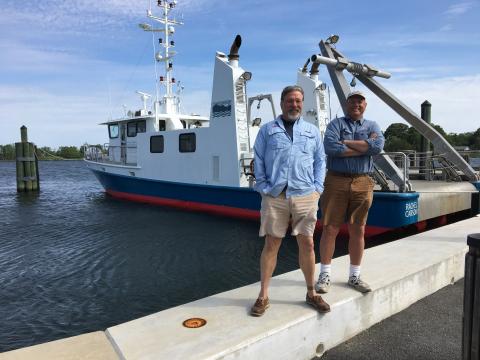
(430, 329)
(400, 273)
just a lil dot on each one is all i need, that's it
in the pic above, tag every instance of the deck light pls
(332, 39)
(145, 27)
(322, 86)
(247, 75)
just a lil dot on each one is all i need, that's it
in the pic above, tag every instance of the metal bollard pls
(471, 301)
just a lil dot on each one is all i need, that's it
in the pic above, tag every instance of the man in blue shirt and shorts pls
(350, 142)
(289, 170)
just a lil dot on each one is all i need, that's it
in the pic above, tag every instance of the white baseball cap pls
(356, 93)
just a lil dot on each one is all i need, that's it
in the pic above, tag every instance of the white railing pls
(112, 154)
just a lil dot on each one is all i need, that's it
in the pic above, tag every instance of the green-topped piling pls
(426, 115)
(27, 163)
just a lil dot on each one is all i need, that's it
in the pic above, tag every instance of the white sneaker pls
(358, 284)
(323, 284)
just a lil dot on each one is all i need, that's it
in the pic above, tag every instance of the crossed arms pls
(336, 146)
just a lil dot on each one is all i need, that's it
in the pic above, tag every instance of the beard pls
(291, 116)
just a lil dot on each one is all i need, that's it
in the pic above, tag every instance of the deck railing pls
(112, 154)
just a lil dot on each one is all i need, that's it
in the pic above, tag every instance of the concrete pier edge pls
(400, 273)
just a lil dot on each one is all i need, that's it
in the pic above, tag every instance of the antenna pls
(144, 97)
(165, 53)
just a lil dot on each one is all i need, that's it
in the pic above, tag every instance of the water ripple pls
(75, 260)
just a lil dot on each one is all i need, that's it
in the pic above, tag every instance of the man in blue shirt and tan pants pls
(289, 170)
(350, 142)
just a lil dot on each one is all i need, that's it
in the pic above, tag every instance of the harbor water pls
(75, 260)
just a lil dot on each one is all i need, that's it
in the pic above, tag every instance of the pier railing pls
(413, 166)
(112, 154)
(429, 166)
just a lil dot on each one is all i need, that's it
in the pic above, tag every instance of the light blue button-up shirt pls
(344, 128)
(279, 161)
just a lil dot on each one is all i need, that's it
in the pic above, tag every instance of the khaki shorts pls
(276, 213)
(346, 199)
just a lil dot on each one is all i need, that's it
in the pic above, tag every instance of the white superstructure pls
(164, 144)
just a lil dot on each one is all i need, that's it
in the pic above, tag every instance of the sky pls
(66, 66)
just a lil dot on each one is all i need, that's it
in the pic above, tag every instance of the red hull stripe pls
(189, 205)
(221, 210)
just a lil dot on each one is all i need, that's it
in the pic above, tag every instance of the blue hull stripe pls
(389, 210)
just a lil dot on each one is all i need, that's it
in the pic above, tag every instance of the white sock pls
(354, 270)
(325, 268)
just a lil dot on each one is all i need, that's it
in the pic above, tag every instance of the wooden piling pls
(37, 182)
(20, 173)
(27, 164)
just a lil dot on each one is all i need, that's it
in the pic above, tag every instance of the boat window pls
(156, 144)
(161, 125)
(113, 131)
(184, 124)
(141, 126)
(187, 142)
(132, 129)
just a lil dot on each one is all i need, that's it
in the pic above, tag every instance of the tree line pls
(400, 137)
(7, 152)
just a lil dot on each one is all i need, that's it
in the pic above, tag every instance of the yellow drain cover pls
(194, 323)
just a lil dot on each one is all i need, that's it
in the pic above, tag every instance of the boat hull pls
(389, 211)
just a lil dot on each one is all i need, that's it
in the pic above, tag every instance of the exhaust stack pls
(233, 55)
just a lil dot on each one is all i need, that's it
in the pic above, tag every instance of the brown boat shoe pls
(318, 303)
(258, 309)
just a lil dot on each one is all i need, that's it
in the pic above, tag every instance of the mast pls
(170, 101)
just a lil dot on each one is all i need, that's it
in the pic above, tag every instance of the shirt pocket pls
(277, 139)
(361, 135)
(307, 142)
(346, 134)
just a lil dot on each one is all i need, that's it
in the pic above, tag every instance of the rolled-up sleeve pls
(375, 145)
(261, 182)
(319, 166)
(331, 142)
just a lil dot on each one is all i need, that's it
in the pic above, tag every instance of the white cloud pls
(453, 99)
(87, 15)
(445, 28)
(52, 119)
(62, 83)
(459, 8)
(56, 119)
(20, 57)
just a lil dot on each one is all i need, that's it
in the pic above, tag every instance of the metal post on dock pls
(471, 301)
(426, 115)
(27, 164)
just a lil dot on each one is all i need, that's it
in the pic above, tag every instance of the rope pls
(49, 154)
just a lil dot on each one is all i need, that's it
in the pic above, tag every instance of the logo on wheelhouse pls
(222, 109)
